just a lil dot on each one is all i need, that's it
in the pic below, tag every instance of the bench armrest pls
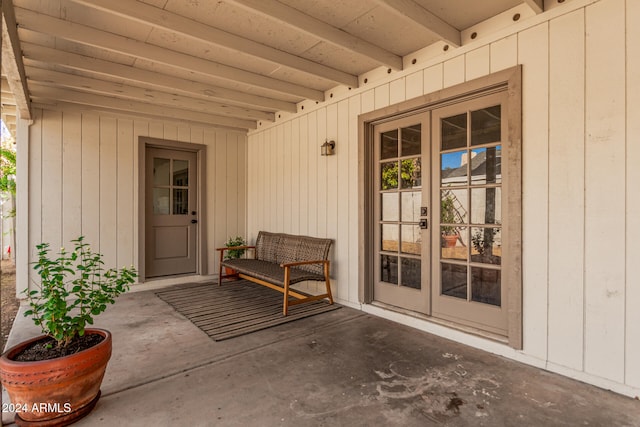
(234, 247)
(293, 264)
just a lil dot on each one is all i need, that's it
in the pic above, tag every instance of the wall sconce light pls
(328, 148)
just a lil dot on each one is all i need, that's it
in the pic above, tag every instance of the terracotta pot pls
(55, 392)
(230, 272)
(450, 240)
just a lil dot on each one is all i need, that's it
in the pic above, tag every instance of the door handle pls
(424, 223)
(193, 221)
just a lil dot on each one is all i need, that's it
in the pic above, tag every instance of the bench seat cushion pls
(270, 271)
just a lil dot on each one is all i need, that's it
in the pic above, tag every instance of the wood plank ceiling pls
(228, 63)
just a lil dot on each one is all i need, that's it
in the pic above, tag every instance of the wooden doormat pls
(235, 308)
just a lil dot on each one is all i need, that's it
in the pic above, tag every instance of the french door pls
(402, 194)
(438, 213)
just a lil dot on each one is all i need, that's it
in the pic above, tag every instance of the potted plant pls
(54, 379)
(233, 253)
(448, 216)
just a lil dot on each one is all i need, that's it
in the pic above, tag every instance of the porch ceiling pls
(229, 63)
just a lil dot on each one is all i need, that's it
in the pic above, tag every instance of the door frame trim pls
(201, 235)
(509, 80)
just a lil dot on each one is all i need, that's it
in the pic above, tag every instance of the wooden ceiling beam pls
(12, 60)
(46, 93)
(536, 5)
(147, 14)
(294, 18)
(41, 56)
(118, 90)
(85, 109)
(409, 9)
(85, 35)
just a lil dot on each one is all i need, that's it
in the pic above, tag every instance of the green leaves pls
(73, 288)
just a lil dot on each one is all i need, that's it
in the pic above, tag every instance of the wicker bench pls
(282, 260)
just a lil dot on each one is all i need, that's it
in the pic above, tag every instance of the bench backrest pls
(284, 248)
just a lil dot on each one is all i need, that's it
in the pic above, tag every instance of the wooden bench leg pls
(285, 303)
(220, 271)
(327, 281)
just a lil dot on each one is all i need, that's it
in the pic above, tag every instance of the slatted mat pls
(235, 308)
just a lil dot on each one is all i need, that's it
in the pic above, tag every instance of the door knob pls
(424, 223)
(193, 221)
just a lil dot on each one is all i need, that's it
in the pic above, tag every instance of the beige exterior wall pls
(581, 207)
(83, 180)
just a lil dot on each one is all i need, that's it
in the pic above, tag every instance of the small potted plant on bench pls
(233, 253)
(54, 379)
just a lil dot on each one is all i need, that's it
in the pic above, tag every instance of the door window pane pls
(389, 175)
(454, 243)
(411, 274)
(389, 144)
(180, 201)
(454, 280)
(181, 173)
(411, 140)
(453, 206)
(485, 125)
(411, 173)
(390, 237)
(161, 201)
(453, 168)
(411, 239)
(486, 165)
(454, 132)
(411, 202)
(389, 269)
(486, 245)
(389, 206)
(485, 286)
(486, 205)
(161, 172)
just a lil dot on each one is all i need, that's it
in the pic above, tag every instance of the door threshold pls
(441, 322)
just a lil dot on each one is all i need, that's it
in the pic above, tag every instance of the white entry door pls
(171, 212)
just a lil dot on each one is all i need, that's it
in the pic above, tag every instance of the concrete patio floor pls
(342, 368)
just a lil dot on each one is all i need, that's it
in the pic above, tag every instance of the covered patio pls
(343, 368)
(469, 161)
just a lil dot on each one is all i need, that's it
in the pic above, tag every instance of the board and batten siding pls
(83, 180)
(581, 205)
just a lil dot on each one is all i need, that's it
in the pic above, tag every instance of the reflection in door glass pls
(180, 201)
(485, 125)
(411, 275)
(389, 175)
(181, 173)
(389, 144)
(389, 202)
(453, 168)
(486, 205)
(454, 280)
(161, 201)
(411, 239)
(486, 165)
(411, 203)
(389, 269)
(486, 245)
(485, 285)
(390, 237)
(454, 243)
(411, 173)
(161, 172)
(411, 140)
(454, 132)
